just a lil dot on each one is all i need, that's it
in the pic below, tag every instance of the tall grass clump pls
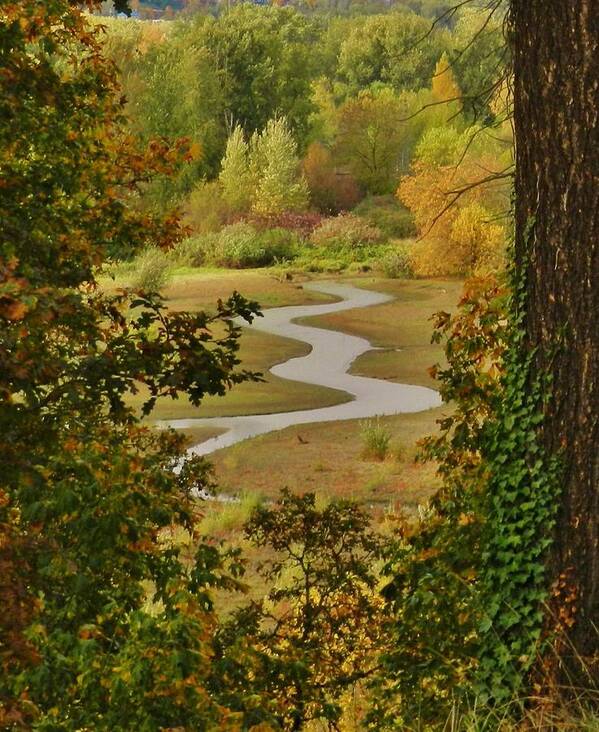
(150, 270)
(196, 250)
(241, 245)
(375, 437)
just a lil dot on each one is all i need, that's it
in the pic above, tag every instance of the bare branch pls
(457, 194)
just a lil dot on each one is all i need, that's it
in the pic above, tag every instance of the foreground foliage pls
(110, 627)
(434, 590)
(293, 654)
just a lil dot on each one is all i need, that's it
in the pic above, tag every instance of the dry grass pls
(325, 458)
(403, 327)
(259, 351)
(199, 289)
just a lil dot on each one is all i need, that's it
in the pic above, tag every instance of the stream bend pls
(326, 365)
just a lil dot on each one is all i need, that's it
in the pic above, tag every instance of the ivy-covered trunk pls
(556, 97)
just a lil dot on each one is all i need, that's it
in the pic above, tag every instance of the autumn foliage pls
(85, 491)
(454, 208)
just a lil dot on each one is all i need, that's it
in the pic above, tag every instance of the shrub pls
(279, 244)
(151, 270)
(237, 247)
(397, 262)
(345, 232)
(392, 218)
(480, 242)
(376, 438)
(473, 246)
(320, 264)
(302, 224)
(346, 191)
(195, 250)
(241, 245)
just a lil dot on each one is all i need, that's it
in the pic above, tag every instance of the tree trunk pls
(556, 100)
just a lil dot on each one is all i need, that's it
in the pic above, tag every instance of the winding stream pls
(326, 365)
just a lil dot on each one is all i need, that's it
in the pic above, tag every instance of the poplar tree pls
(445, 86)
(235, 176)
(280, 186)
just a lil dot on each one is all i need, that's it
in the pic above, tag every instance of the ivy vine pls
(523, 494)
(468, 582)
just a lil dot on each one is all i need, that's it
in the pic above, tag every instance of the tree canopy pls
(110, 624)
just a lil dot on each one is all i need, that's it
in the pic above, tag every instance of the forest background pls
(295, 118)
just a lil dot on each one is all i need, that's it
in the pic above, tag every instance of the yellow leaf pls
(195, 151)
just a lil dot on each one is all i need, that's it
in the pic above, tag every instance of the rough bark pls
(556, 99)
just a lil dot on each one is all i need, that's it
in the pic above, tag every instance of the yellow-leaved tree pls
(445, 86)
(280, 186)
(456, 204)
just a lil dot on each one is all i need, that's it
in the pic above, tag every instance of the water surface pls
(326, 365)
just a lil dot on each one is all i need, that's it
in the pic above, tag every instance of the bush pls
(397, 262)
(320, 264)
(279, 244)
(376, 438)
(151, 270)
(241, 245)
(206, 210)
(384, 212)
(237, 246)
(345, 232)
(195, 250)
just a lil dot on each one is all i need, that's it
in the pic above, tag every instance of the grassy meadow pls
(199, 289)
(326, 457)
(329, 459)
(399, 330)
